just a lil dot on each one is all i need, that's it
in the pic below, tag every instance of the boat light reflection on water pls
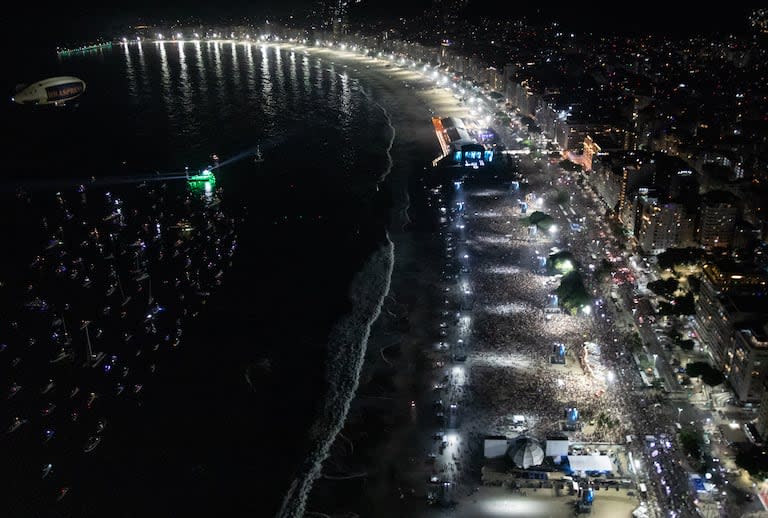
(205, 181)
(206, 175)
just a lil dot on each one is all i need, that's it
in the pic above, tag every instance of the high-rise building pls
(731, 298)
(762, 415)
(717, 219)
(340, 21)
(747, 368)
(661, 225)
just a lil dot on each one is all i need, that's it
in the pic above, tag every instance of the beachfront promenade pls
(486, 339)
(494, 293)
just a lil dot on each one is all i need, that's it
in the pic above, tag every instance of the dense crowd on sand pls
(504, 286)
(512, 341)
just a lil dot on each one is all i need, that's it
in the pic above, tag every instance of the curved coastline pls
(346, 351)
(203, 399)
(349, 338)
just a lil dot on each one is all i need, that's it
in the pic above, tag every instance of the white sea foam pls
(346, 350)
(405, 199)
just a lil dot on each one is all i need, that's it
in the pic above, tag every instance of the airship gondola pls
(54, 90)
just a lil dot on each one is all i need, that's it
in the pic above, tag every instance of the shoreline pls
(359, 473)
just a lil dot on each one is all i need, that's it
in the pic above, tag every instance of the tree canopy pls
(561, 262)
(664, 287)
(572, 292)
(541, 220)
(691, 442)
(679, 256)
(754, 460)
(706, 372)
(684, 305)
(570, 166)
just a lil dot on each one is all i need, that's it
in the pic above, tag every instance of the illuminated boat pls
(93, 441)
(204, 181)
(204, 176)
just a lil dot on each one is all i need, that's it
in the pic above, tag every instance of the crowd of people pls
(504, 288)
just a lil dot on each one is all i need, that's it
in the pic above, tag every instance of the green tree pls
(694, 283)
(570, 166)
(561, 262)
(541, 220)
(754, 460)
(706, 372)
(678, 257)
(572, 292)
(603, 270)
(664, 287)
(562, 197)
(691, 442)
(679, 306)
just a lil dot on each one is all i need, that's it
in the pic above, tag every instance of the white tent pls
(557, 448)
(525, 452)
(585, 463)
(640, 512)
(495, 448)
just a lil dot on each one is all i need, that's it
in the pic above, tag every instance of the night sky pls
(664, 17)
(80, 22)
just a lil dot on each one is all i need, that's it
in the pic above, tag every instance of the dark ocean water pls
(224, 424)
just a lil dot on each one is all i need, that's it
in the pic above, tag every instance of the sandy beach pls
(451, 287)
(371, 460)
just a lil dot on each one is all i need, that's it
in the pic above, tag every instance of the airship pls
(54, 90)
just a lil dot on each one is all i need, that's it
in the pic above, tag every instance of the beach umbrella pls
(525, 452)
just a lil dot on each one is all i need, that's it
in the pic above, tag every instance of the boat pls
(14, 389)
(47, 469)
(93, 441)
(62, 493)
(17, 422)
(48, 387)
(96, 359)
(37, 304)
(204, 176)
(258, 158)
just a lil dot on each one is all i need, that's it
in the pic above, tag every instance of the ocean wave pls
(392, 133)
(346, 351)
